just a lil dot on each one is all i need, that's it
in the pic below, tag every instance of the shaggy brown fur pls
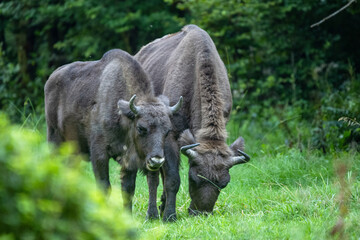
(87, 102)
(188, 64)
(212, 105)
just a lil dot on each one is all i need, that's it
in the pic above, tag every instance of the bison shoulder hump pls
(123, 57)
(55, 78)
(117, 54)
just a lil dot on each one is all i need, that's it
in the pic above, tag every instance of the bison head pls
(209, 164)
(150, 124)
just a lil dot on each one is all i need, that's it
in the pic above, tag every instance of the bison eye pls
(141, 130)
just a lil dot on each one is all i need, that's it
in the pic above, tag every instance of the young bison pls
(85, 102)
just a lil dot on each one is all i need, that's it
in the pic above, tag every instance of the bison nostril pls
(156, 162)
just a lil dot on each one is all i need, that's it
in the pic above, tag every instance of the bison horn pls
(132, 106)
(244, 158)
(177, 106)
(187, 151)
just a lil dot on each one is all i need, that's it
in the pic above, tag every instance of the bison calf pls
(85, 102)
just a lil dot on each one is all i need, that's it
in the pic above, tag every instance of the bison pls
(187, 64)
(85, 102)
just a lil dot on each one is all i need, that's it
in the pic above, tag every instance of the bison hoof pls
(162, 208)
(169, 217)
(152, 215)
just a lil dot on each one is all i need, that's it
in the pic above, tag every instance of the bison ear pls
(239, 143)
(124, 109)
(239, 156)
(186, 138)
(187, 141)
(129, 109)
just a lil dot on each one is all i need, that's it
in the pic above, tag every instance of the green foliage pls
(8, 79)
(36, 37)
(270, 49)
(43, 197)
(336, 125)
(279, 66)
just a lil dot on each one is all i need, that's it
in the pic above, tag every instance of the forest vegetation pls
(296, 102)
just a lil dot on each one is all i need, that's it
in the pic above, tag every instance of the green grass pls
(282, 193)
(288, 196)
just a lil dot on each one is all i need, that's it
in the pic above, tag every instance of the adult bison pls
(84, 103)
(187, 64)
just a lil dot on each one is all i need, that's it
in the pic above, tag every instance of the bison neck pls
(212, 114)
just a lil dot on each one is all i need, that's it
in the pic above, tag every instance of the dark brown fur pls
(87, 102)
(188, 64)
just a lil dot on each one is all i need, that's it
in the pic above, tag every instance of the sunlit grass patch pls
(282, 193)
(289, 195)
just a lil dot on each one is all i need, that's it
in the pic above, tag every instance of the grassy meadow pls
(280, 194)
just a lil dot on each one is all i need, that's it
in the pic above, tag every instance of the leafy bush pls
(283, 72)
(43, 197)
(36, 37)
(272, 54)
(336, 120)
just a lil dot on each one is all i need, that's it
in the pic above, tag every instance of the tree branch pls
(333, 14)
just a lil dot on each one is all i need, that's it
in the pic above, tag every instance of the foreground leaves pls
(45, 195)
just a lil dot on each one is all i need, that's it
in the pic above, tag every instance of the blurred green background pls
(285, 76)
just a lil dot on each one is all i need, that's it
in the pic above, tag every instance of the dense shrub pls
(43, 196)
(336, 121)
(283, 72)
(36, 37)
(271, 52)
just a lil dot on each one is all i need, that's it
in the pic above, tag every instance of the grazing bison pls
(84, 103)
(187, 64)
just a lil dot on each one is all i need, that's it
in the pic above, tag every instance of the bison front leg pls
(54, 136)
(163, 195)
(128, 179)
(153, 183)
(171, 181)
(100, 164)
